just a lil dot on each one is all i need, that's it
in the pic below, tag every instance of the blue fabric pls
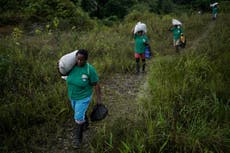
(147, 53)
(80, 107)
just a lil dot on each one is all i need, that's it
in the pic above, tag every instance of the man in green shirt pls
(80, 82)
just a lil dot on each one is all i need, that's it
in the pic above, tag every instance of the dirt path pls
(195, 43)
(119, 94)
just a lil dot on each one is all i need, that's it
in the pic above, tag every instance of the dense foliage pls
(13, 11)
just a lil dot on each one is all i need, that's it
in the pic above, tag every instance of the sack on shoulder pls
(66, 62)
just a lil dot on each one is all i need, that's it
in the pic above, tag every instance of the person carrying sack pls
(177, 31)
(80, 83)
(141, 42)
(214, 10)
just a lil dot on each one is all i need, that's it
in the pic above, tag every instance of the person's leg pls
(86, 124)
(80, 108)
(137, 65)
(137, 58)
(214, 16)
(177, 45)
(143, 62)
(143, 65)
(174, 42)
(78, 134)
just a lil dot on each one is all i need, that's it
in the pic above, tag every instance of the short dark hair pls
(83, 52)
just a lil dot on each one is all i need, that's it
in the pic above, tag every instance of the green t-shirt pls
(214, 10)
(78, 81)
(176, 33)
(139, 43)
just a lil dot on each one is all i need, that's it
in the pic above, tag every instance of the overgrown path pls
(210, 26)
(120, 92)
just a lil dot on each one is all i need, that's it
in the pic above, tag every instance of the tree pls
(117, 8)
(164, 6)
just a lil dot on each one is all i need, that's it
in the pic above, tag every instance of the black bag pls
(99, 112)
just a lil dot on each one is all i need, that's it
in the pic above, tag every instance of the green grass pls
(188, 98)
(187, 107)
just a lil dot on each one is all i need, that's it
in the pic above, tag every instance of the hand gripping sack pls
(99, 112)
(66, 62)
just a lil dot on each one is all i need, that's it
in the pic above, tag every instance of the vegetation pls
(188, 103)
(77, 12)
(187, 106)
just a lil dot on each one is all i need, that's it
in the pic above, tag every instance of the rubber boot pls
(86, 124)
(137, 68)
(143, 67)
(78, 134)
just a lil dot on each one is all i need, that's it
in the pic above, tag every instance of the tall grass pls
(187, 107)
(31, 93)
(183, 90)
(188, 98)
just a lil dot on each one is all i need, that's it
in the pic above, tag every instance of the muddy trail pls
(119, 93)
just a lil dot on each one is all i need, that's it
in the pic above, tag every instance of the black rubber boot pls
(78, 134)
(137, 68)
(143, 67)
(86, 124)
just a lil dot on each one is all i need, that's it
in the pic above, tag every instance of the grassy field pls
(186, 106)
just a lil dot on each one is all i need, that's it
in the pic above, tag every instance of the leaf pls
(62, 111)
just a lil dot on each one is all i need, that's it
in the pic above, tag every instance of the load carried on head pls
(178, 35)
(140, 27)
(214, 4)
(176, 22)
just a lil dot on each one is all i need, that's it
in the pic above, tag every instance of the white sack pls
(140, 27)
(214, 4)
(176, 22)
(66, 62)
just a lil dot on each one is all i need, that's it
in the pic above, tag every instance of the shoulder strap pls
(88, 69)
(88, 72)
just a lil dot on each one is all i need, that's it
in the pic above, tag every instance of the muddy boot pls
(143, 68)
(86, 124)
(137, 68)
(78, 134)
